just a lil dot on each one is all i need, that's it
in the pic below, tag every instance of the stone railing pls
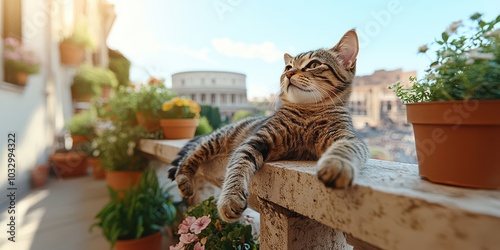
(390, 207)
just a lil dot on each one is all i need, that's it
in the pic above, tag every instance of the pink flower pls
(186, 224)
(11, 42)
(188, 238)
(179, 246)
(198, 246)
(200, 224)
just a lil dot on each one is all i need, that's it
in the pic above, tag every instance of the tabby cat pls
(313, 123)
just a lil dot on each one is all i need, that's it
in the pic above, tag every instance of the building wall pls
(37, 112)
(226, 90)
(373, 104)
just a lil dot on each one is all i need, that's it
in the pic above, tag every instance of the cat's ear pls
(288, 58)
(348, 48)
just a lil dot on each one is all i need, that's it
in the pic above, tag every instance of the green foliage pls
(203, 127)
(120, 66)
(118, 148)
(82, 123)
(80, 37)
(212, 114)
(90, 80)
(150, 97)
(144, 210)
(18, 58)
(120, 107)
(467, 65)
(241, 114)
(220, 235)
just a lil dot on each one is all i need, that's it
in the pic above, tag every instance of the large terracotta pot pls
(69, 164)
(97, 171)
(178, 128)
(79, 139)
(123, 180)
(40, 175)
(148, 121)
(71, 54)
(458, 142)
(150, 242)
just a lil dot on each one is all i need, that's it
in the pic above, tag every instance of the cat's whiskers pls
(323, 91)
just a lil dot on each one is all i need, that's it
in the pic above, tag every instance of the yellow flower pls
(166, 106)
(178, 102)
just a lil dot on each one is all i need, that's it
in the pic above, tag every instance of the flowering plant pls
(202, 229)
(117, 148)
(467, 65)
(150, 97)
(19, 58)
(180, 107)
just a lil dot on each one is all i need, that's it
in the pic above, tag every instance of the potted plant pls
(120, 107)
(67, 164)
(72, 47)
(179, 118)
(94, 160)
(147, 101)
(137, 220)
(19, 62)
(120, 157)
(81, 127)
(454, 109)
(90, 81)
(202, 229)
(39, 175)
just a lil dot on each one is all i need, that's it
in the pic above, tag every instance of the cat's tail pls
(183, 153)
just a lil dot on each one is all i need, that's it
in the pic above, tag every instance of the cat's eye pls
(312, 64)
(288, 67)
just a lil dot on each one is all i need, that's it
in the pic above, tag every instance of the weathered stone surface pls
(390, 206)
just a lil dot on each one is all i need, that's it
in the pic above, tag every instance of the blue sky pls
(163, 37)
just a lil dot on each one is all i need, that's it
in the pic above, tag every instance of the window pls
(233, 98)
(193, 97)
(212, 98)
(203, 97)
(223, 96)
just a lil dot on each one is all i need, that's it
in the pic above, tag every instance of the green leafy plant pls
(212, 114)
(202, 229)
(241, 114)
(120, 65)
(203, 127)
(118, 150)
(82, 123)
(120, 107)
(80, 37)
(150, 97)
(143, 210)
(18, 58)
(90, 80)
(180, 107)
(467, 65)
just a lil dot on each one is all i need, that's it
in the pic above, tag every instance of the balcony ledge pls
(389, 207)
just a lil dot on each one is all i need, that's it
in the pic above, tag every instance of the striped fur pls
(312, 124)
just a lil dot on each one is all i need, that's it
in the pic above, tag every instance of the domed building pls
(225, 90)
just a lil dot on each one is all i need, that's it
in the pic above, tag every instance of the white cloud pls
(266, 51)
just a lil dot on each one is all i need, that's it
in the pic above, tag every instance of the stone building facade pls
(226, 90)
(373, 104)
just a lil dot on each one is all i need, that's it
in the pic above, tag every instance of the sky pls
(163, 37)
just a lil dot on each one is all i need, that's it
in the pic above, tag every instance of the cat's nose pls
(290, 73)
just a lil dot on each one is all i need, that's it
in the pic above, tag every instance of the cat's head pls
(322, 75)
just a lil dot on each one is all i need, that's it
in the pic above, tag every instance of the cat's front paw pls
(335, 172)
(231, 206)
(185, 185)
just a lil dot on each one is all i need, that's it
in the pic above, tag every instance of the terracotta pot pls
(69, 164)
(123, 180)
(79, 139)
(22, 78)
(148, 121)
(105, 93)
(150, 242)
(458, 142)
(71, 54)
(178, 128)
(40, 175)
(97, 171)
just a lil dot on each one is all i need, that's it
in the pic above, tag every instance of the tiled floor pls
(58, 216)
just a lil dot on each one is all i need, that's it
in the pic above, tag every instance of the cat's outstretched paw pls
(231, 206)
(185, 186)
(335, 173)
(171, 172)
